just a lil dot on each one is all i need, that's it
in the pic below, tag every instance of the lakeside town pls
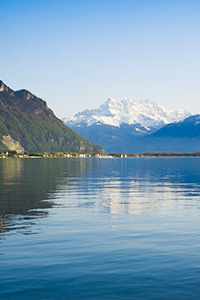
(15, 154)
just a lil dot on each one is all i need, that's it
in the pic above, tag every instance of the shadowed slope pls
(26, 119)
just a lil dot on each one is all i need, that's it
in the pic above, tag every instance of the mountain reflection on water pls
(24, 185)
(30, 187)
(133, 186)
(106, 228)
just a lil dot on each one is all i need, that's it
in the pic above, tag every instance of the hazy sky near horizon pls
(75, 54)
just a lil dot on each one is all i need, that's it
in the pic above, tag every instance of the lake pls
(121, 228)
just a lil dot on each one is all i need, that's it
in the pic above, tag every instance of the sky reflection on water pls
(106, 229)
(29, 188)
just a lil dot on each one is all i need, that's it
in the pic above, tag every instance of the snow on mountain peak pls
(115, 112)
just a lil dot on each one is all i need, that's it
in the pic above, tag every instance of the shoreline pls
(14, 154)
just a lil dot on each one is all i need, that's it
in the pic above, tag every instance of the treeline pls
(155, 154)
(15, 154)
(165, 154)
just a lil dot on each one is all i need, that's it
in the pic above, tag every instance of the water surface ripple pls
(100, 228)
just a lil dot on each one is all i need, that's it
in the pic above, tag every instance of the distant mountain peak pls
(117, 122)
(127, 111)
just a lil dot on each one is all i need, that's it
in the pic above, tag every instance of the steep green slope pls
(27, 124)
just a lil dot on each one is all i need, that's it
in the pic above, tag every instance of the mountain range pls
(183, 136)
(27, 124)
(123, 125)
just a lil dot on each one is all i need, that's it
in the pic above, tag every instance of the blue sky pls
(76, 54)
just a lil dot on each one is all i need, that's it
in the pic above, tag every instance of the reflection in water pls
(133, 186)
(29, 187)
(24, 185)
(109, 229)
(141, 197)
(12, 171)
(134, 197)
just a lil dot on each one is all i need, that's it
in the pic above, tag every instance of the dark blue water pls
(100, 228)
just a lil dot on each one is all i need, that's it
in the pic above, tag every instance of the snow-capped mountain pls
(117, 121)
(116, 112)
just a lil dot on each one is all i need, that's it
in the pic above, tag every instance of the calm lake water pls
(100, 228)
